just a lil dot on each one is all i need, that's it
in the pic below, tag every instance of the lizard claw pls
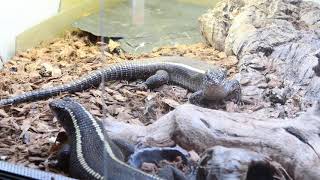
(238, 101)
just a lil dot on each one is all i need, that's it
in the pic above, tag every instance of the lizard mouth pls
(60, 110)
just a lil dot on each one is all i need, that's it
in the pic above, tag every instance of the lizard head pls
(215, 77)
(213, 83)
(63, 111)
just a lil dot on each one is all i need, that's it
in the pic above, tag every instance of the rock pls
(271, 38)
(214, 24)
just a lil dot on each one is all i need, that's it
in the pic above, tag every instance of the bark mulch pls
(28, 131)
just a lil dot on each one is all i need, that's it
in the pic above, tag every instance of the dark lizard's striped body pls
(182, 71)
(93, 155)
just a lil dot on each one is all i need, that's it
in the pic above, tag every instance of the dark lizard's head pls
(64, 112)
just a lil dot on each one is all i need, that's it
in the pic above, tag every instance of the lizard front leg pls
(197, 97)
(233, 89)
(160, 78)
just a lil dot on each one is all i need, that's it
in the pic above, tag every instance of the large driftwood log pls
(275, 41)
(294, 143)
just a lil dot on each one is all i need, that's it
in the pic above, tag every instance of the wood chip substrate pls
(28, 131)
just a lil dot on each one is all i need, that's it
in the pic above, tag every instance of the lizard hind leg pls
(160, 78)
(126, 148)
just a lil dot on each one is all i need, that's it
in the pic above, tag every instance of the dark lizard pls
(93, 155)
(206, 82)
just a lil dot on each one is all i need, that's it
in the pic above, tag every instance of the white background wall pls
(19, 15)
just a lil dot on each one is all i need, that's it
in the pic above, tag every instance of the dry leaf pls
(171, 102)
(120, 98)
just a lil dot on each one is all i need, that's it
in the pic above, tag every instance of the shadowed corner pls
(316, 68)
(261, 170)
(315, 109)
(316, 104)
